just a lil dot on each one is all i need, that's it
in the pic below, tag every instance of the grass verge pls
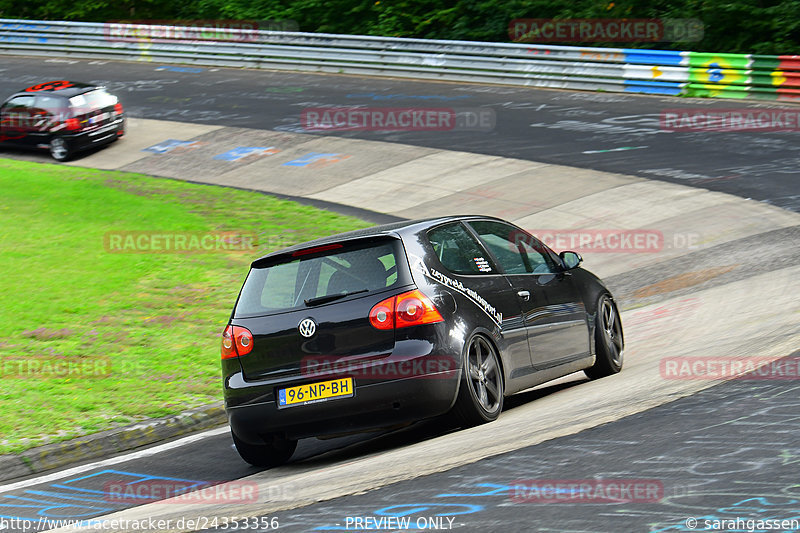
(137, 333)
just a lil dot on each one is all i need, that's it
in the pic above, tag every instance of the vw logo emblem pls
(307, 327)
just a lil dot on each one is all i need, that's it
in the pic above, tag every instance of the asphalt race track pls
(666, 448)
(68, 493)
(717, 451)
(602, 131)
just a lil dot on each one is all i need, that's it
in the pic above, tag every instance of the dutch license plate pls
(315, 392)
(98, 118)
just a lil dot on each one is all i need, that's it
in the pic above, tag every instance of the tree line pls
(740, 26)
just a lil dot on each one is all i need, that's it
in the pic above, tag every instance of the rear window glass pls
(290, 284)
(96, 99)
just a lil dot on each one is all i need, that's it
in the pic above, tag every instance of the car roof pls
(64, 88)
(396, 229)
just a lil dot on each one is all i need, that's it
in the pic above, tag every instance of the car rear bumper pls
(252, 407)
(103, 135)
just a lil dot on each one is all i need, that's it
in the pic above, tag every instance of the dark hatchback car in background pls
(64, 117)
(382, 327)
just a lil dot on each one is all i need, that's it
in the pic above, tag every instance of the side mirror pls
(570, 259)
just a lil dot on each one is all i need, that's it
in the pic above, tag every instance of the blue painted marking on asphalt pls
(422, 507)
(180, 69)
(18, 517)
(311, 157)
(498, 489)
(167, 146)
(63, 496)
(141, 477)
(81, 489)
(46, 507)
(241, 152)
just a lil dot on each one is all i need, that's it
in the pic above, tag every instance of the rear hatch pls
(335, 285)
(94, 109)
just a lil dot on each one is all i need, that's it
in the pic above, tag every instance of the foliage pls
(743, 26)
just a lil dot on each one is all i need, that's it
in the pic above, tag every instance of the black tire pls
(608, 339)
(480, 394)
(273, 453)
(59, 149)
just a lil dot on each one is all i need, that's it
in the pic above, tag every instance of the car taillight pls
(118, 109)
(411, 308)
(381, 316)
(236, 341)
(73, 124)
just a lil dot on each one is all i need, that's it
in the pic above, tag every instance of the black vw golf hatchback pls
(64, 117)
(382, 327)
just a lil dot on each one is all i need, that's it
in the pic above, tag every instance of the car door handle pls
(525, 295)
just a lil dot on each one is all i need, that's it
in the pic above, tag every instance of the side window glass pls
(539, 259)
(458, 251)
(16, 113)
(516, 251)
(19, 103)
(52, 105)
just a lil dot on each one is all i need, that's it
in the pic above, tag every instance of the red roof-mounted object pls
(316, 249)
(50, 86)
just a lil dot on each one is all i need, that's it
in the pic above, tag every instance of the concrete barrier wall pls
(678, 73)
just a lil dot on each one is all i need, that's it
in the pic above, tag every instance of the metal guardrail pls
(566, 67)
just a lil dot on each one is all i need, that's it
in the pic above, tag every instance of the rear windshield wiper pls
(331, 297)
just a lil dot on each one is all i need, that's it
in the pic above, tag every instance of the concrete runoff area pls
(415, 182)
(755, 314)
(139, 135)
